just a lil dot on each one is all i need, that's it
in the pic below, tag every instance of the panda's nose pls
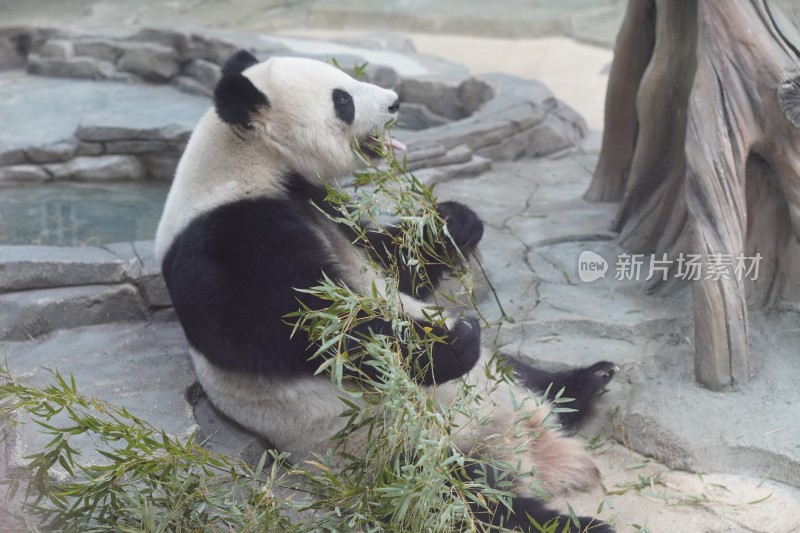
(394, 107)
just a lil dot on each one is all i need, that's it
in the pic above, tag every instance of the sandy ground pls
(576, 73)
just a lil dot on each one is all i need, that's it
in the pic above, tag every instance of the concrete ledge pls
(30, 314)
(128, 137)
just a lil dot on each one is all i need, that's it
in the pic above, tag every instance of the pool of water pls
(78, 214)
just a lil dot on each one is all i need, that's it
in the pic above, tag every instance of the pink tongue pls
(390, 142)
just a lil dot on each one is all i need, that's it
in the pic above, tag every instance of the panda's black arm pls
(449, 359)
(464, 226)
(466, 230)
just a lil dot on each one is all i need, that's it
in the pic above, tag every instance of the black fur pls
(581, 384)
(525, 508)
(233, 271)
(238, 63)
(344, 105)
(236, 99)
(464, 227)
(232, 275)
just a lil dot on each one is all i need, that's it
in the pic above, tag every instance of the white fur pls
(300, 132)
(299, 416)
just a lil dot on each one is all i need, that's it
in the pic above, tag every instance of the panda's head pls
(310, 113)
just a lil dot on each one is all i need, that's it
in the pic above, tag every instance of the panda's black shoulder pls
(253, 225)
(232, 272)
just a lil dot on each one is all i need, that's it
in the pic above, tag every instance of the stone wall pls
(48, 288)
(457, 126)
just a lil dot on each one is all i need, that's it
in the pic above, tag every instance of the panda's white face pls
(316, 114)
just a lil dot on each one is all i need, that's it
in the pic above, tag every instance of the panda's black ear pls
(236, 99)
(239, 62)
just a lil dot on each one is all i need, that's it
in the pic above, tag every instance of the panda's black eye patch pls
(343, 103)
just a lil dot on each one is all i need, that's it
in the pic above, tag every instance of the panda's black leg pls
(581, 384)
(527, 512)
(524, 507)
(466, 230)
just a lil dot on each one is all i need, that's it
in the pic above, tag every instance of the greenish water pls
(79, 214)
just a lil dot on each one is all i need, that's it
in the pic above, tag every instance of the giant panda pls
(242, 229)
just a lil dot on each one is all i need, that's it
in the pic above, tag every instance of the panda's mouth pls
(380, 146)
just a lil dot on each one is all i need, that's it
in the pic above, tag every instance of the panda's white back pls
(216, 168)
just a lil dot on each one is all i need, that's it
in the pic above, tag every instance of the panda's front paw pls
(455, 357)
(465, 341)
(463, 224)
(597, 376)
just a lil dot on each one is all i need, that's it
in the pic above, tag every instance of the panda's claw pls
(463, 224)
(603, 372)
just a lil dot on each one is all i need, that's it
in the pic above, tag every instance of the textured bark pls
(633, 50)
(715, 168)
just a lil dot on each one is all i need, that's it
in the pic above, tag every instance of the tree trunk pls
(708, 162)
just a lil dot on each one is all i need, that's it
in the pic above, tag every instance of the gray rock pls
(13, 53)
(189, 46)
(12, 156)
(421, 153)
(104, 167)
(205, 72)
(522, 120)
(475, 166)
(36, 267)
(53, 152)
(98, 112)
(509, 149)
(446, 99)
(439, 96)
(148, 276)
(95, 129)
(139, 147)
(459, 154)
(414, 116)
(521, 112)
(76, 67)
(143, 270)
(646, 434)
(512, 89)
(29, 314)
(161, 165)
(176, 40)
(552, 135)
(383, 76)
(17, 42)
(141, 366)
(105, 49)
(473, 133)
(473, 93)
(192, 86)
(209, 48)
(572, 117)
(221, 435)
(150, 61)
(57, 49)
(23, 173)
(90, 148)
(126, 77)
